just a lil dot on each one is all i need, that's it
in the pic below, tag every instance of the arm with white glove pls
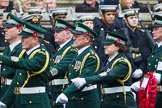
(62, 98)
(135, 86)
(158, 77)
(137, 73)
(79, 82)
(2, 105)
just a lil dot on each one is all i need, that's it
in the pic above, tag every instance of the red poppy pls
(67, 28)
(87, 33)
(118, 42)
(35, 34)
(19, 26)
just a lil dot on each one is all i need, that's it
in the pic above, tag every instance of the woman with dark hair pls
(88, 6)
(115, 76)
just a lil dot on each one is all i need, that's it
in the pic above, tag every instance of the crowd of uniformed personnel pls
(99, 60)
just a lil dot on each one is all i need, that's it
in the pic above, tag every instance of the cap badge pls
(35, 19)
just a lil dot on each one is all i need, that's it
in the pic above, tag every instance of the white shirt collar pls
(109, 59)
(82, 49)
(13, 45)
(29, 51)
(159, 44)
(62, 45)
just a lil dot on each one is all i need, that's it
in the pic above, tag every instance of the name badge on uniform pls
(77, 65)
(159, 66)
(57, 59)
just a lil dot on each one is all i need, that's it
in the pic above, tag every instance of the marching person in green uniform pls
(86, 63)
(56, 13)
(154, 63)
(12, 29)
(88, 20)
(62, 58)
(115, 76)
(29, 86)
(35, 17)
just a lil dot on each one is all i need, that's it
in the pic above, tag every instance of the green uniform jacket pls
(108, 78)
(154, 64)
(61, 61)
(9, 72)
(86, 64)
(38, 65)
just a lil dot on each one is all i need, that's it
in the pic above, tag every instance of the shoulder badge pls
(15, 59)
(103, 74)
(54, 71)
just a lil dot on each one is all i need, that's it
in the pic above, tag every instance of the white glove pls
(2, 105)
(158, 77)
(137, 73)
(79, 82)
(135, 86)
(62, 98)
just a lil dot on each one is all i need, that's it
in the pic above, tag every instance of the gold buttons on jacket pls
(73, 97)
(20, 74)
(117, 96)
(152, 56)
(30, 101)
(4, 69)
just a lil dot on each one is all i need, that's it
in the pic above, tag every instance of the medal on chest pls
(77, 65)
(57, 59)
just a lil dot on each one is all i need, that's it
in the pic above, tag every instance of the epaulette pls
(122, 60)
(73, 49)
(92, 54)
(42, 51)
